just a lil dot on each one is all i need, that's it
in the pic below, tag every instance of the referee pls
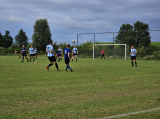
(133, 55)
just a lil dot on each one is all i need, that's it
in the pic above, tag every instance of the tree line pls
(136, 34)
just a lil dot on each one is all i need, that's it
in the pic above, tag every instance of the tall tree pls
(7, 39)
(41, 35)
(125, 34)
(137, 35)
(2, 42)
(21, 38)
(141, 33)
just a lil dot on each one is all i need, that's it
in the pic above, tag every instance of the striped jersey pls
(48, 48)
(75, 50)
(61, 50)
(132, 52)
(31, 50)
(35, 51)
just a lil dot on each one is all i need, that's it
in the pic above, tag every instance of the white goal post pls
(110, 44)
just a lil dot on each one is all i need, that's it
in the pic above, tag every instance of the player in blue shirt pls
(31, 54)
(74, 53)
(60, 55)
(50, 54)
(67, 57)
(133, 55)
(23, 51)
(35, 52)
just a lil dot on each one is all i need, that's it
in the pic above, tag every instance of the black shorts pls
(35, 54)
(102, 55)
(74, 54)
(31, 55)
(133, 57)
(24, 54)
(52, 59)
(67, 61)
(59, 55)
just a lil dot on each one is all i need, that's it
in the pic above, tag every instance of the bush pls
(142, 52)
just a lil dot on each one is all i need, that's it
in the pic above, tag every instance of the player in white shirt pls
(133, 55)
(50, 54)
(74, 53)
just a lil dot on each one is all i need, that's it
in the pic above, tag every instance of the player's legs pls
(34, 58)
(60, 57)
(72, 58)
(67, 64)
(22, 58)
(132, 61)
(51, 63)
(135, 61)
(30, 57)
(76, 57)
(54, 59)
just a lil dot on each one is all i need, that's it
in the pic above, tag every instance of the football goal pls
(111, 50)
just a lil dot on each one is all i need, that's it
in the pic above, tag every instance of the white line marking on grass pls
(131, 113)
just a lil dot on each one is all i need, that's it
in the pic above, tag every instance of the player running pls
(50, 54)
(35, 52)
(31, 54)
(23, 51)
(133, 55)
(74, 53)
(102, 54)
(60, 55)
(67, 57)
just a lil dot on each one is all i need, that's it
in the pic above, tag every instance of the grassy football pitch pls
(95, 89)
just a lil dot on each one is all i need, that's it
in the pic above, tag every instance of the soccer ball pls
(73, 42)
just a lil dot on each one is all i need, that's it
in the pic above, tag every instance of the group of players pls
(52, 55)
(67, 55)
(32, 54)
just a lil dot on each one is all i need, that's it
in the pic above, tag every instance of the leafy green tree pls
(2, 42)
(8, 39)
(141, 33)
(21, 38)
(41, 35)
(137, 35)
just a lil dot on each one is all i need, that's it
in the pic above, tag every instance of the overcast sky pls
(67, 18)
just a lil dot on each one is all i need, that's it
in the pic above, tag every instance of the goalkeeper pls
(102, 54)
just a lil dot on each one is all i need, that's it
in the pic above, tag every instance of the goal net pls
(111, 50)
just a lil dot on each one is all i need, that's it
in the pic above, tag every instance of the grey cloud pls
(69, 17)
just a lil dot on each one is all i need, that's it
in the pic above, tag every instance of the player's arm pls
(72, 52)
(77, 52)
(135, 52)
(69, 56)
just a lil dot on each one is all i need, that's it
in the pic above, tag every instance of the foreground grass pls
(97, 88)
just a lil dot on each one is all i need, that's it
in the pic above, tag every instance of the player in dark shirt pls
(23, 51)
(67, 57)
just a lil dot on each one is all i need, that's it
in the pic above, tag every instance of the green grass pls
(96, 89)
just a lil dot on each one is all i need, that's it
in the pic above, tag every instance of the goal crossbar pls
(110, 44)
